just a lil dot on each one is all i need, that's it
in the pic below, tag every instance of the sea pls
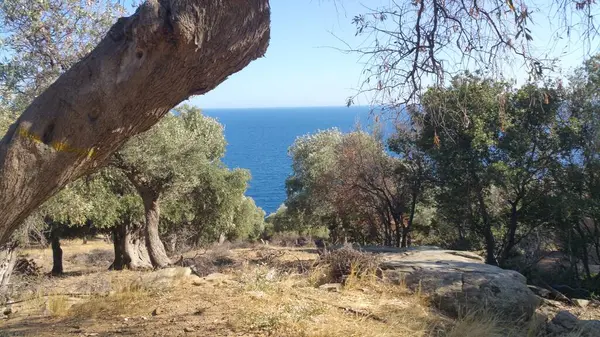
(258, 140)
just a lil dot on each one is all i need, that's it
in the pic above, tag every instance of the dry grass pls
(258, 295)
(58, 305)
(128, 299)
(74, 256)
(286, 305)
(347, 266)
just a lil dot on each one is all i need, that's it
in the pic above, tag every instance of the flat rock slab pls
(459, 282)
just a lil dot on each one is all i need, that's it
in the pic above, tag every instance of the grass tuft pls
(57, 305)
(125, 300)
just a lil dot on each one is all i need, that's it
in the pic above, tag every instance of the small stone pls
(126, 319)
(581, 303)
(565, 319)
(157, 311)
(144, 318)
(336, 287)
(7, 311)
(189, 329)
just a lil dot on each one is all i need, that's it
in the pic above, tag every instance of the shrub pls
(346, 264)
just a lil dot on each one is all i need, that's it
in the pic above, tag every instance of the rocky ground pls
(273, 291)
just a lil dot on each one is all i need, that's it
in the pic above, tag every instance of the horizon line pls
(281, 107)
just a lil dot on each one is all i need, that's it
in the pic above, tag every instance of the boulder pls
(565, 322)
(458, 282)
(589, 328)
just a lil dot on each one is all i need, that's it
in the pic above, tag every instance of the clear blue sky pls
(303, 68)
(300, 67)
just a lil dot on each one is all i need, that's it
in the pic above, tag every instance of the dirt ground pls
(258, 291)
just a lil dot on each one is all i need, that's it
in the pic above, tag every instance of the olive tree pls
(165, 160)
(144, 66)
(349, 183)
(39, 40)
(86, 202)
(219, 207)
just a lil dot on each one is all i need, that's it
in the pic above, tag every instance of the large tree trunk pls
(8, 258)
(130, 248)
(156, 248)
(147, 63)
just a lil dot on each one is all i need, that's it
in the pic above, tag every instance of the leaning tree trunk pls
(145, 65)
(130, 248)
(156, 248)
(8, 258)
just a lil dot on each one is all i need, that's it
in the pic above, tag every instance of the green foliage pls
(169, 155)
(491, 163)
(85, 199)
(42, 39)
(248, 221)
(347, 183)
(215, 200)
(178, 160)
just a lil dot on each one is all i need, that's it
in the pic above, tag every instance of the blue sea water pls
(258, 140)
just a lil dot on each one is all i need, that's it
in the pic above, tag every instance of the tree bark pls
(118, 239)
(399, 233)
(130, 248)
(57, 253)
(490, 244)
(8, 258)
(512, 232)
(146, 64)
(584, 254)
(156, 248)
(486, 230)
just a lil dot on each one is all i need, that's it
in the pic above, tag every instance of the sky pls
(304, 65)
(301, 66)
